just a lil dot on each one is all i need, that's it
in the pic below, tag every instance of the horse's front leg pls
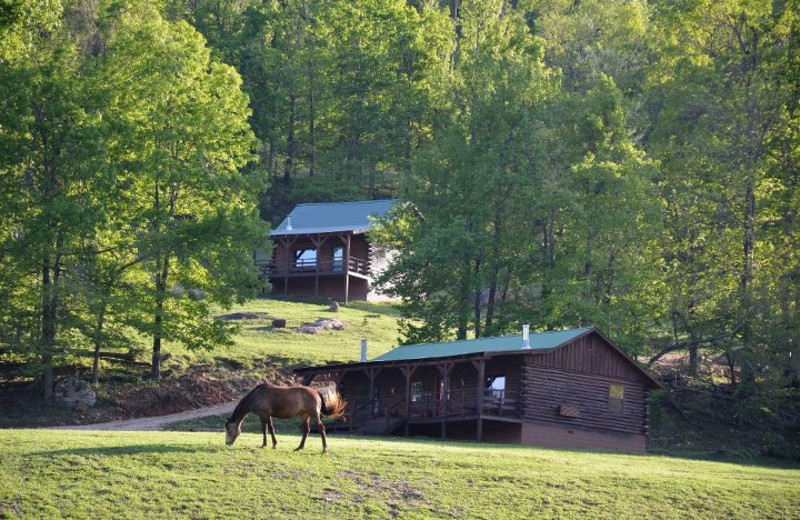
(306, 428)
(272, 434)
(264, 423)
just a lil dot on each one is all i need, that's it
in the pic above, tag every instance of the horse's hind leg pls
(322, 433)
(306, 428)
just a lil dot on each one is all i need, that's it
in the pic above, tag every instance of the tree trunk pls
(311, 117)
(290, 144)
(49, 316)
(161, 291)
(693, 360)
(48, 330)
(98, 341)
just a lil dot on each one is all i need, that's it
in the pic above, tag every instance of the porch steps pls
(380, 426)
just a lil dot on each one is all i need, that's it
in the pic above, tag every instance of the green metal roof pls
(538, 341)
(332, 217)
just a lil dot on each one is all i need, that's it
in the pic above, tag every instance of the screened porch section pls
(432, 393)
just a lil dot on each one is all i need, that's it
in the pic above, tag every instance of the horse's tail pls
(333, 404)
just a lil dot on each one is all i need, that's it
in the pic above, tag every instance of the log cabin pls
(564, 389)
(322, 250)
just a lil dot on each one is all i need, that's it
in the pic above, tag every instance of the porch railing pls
(429, 405)
(312, 267)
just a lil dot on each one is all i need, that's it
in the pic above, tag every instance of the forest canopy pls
(629, 164)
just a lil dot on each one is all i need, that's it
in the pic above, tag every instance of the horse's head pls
(232, 431)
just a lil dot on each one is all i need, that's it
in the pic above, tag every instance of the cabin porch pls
(476, 399)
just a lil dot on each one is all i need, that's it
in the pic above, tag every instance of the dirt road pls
(155, 423)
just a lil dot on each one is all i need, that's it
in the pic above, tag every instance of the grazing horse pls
(268, 401)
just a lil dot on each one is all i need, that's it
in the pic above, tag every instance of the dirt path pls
(155, 423)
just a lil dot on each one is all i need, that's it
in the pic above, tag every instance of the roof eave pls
(317, 231)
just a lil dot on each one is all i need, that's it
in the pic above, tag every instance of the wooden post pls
(371, 374)
(481, 366)
(318, 241)
(347, 269)
(408, 372)
(287, 246)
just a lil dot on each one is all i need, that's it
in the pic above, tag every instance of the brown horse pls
(268, 401)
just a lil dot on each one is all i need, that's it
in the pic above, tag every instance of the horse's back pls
(284, 402)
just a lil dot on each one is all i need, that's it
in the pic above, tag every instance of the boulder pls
(321, 325)
(70, 391)
(279, 323)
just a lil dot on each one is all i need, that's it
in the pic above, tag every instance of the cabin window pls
(305, 258)
(416, 391)
(616, 398)
(496, 387)
(337, 255)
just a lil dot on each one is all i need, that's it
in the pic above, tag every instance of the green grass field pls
(375, 322)
(58, 474)
(181, 474)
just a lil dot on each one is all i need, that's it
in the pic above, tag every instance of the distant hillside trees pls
(537, 205)
(626, 163)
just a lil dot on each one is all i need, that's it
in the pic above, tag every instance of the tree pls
(48, 171)
(183, 121)
(471, 181)
(719, 116)
(538, 206)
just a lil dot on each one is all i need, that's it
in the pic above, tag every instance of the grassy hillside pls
(56, 474)
(257, 339)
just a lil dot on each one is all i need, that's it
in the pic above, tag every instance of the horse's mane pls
(244, 405)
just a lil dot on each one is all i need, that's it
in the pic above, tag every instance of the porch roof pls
(332, 217)
(538, 341)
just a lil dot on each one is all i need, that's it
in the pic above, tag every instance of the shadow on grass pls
(122, 451)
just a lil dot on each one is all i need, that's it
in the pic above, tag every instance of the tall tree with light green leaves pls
(49, 168)
(537, 204)
(183, 117)
(726, 95)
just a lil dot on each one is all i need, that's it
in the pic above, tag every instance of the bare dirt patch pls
(399, 492)
(197, 388)
(239, 316)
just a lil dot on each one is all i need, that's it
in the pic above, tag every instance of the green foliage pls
(126, 144)
(622, 163)
(537, 205)
(725, 174)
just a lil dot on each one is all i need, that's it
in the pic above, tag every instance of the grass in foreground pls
(57, 474)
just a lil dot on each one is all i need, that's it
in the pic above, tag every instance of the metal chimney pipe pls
(289, 223)
(526, 340)
(363, 350)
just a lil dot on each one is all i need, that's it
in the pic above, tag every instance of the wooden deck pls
(356, 266)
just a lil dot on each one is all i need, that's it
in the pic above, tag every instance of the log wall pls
(547, 390)
(589, 354)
